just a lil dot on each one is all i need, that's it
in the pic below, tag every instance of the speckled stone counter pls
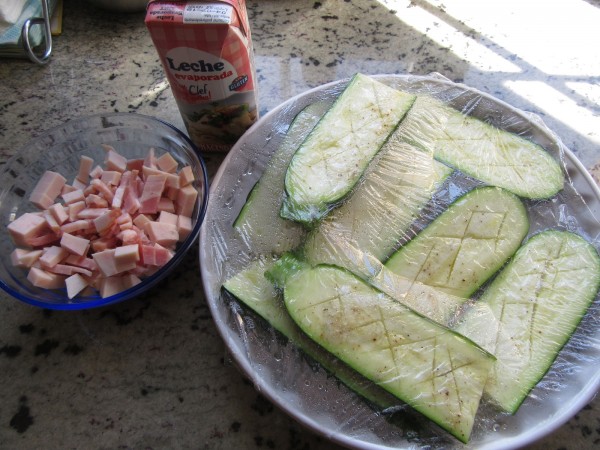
(153, 372)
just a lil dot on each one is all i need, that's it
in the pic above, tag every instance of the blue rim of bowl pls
(163, 271)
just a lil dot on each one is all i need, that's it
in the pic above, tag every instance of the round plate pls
(316, 399)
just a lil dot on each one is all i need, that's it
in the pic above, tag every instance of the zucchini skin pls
(333, 157)
(531, 309)
(252, 287)
(495, 156)
(258, 222)
(466, 244)
(436, 371)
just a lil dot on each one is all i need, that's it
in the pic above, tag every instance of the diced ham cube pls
(117, 201)
(184, 227)
(51, 221)
(155, 255)
(51, 256)
(73, 196)
(150, 160)
(126, 257)
(81, 261)
(43, 240)
(75, 244)
(96, 172)
(78, 184)
(110, 286)
(67, 188)
(45, 280)
(166, 204)
(85, 167)
(74, 209)
(129, 280)
(141, 221)
(78, 225)
(171, 179)
(111, 177)
(75, 284)
(167, 217)
(186, 201)
(106, 220)
(95, 201)
(186, 176)
(113, 160)
(92, 213)
(162, 233)
(26, 227)
(104, 243)
(105, 260)
(128, 236)
(47, 189)
(135, 164)
(153, 188)
(102, 189)
(167, 163)
(24, 258)
(59, 213)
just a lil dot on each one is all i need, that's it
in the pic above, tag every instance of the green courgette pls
(332, 159)
(466, 244)
(378, 214)
(495, 156)
(530, 310)
(254, 290)
(436, 371)
(259, 223)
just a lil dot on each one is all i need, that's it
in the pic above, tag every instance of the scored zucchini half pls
(433, 369)
(530, 310)
(496, 156)
(466, 244)
(395, 188)
(259, 223)
(253, 289)
(335, 154)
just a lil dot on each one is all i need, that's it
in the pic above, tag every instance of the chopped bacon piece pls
(184, 227)
(45, 280)
(51, 256)
(113, 160)
(167, 163)
(59, 212)
(95, 201)
(75, 284)
(78, 225)
(47, 189)
(73, 196)
(162, 233)
(153, 188)
(186, 176)
(111, 177)
(24, 258)
(75, 244)
(171, 179)
(26, 227)
(186, 200)
(85, 167)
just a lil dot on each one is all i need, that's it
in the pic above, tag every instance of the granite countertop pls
(153, 372)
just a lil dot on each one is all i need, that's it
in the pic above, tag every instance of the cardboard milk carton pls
(206, 51)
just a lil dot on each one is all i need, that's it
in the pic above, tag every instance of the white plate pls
(320, 402)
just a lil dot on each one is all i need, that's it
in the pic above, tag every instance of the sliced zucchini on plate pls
(335, 154)
(531, 309)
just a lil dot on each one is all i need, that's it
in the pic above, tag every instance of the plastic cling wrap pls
(442, 229)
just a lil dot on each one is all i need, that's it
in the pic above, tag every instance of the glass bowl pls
(59, 150)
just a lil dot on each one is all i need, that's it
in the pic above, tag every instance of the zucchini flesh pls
(466, 244)
(397, 185)
(258, 222)
(436, 371)
(335, 154)
(253, 289)
(495, 156)
(531, 309)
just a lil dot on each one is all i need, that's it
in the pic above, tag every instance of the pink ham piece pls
(113, 160)
(153, 188)
(51, 256)
(184, 227)
(111, 177)
(26, 227)
(186, 200)
(73, 196)
(167, 163)
(186, 176)
(59, 212)
(51, 221)
(75, 284)
(163, 233)
(126, 257)
(155, 255)
(106, 220)
(47, 189)
(74, 209)
(85, 167)
(75, 244)
(45, 280)
(24, 258)
(111, 286)
(81, 261)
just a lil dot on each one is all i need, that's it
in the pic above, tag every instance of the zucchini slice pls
(530, 310)
(335, 154)
(253, 289)
(258, 222)
(397, 185)
(466, 244)
(436, 371)
(496, 157)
